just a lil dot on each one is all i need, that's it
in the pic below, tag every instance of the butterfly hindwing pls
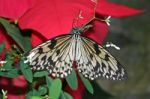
(96, 62)
(55, 55)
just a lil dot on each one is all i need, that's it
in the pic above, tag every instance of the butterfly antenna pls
(86, 28)
(93, 17)
(76, 20)
(74, 23)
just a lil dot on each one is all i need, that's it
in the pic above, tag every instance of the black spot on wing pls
(115, 76)
(51, 61)
(109, 68)
(91, 56)
(44, 58)
(40, 50)
(53, 43)
(97, 66)
(97, 49)
(107, 57)
(36, 60)
(119, 66)
(121, 70)
(103, 66)
(108, 74)
(58, 52)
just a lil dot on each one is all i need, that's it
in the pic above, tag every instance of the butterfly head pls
(80, 30)
(76, 31)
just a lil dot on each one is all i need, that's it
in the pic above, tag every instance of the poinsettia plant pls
(25, 25)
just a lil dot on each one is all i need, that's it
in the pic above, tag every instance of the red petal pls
(19, 81)
(11, 96)
(14, 9)
(116, 10)
(55, 17)
(16, 87)
(98, 32)
(37, 39)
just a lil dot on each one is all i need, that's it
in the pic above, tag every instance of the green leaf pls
(36, 97)
(8, 71)
(12, 73)
(9, 62)
(2, 46)
(15, 34)
(8, 65)
(87, 84)
(26, 71)
(65, 95)
(42, 90)
(72, 80)
(31, 93)
(49, 80)
(9, 56)
(55, 89)
(40, 73)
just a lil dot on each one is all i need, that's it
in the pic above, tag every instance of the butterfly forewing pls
(56, 56)
(96, 62)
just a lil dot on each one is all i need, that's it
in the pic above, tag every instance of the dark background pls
(132, 35)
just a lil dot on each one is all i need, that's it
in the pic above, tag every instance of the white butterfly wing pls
(94, 61)
(55, 55)
(58, 54)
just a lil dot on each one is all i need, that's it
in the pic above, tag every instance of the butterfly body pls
(58, 54)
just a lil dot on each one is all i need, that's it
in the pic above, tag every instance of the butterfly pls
(58, 54)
